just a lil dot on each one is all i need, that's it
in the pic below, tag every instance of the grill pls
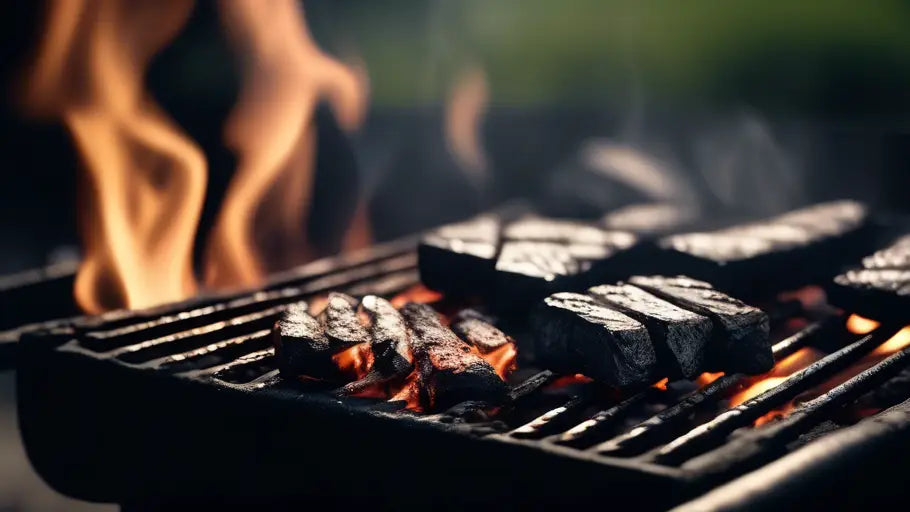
(185, 402)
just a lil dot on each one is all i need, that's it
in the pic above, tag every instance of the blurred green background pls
(835, 58)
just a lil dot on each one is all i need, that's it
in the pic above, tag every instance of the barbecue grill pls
(184, 403)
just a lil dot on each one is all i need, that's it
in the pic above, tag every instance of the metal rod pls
(714, 432)
(763, 444)
(673, 421)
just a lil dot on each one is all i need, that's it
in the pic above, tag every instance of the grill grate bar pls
(221, 371)
(673, 421)
(716, 431)
(192, 358)
(761, 445)
(580, 434)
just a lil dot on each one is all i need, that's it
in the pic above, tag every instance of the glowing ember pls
(568, 380)
(661, 384)
(355, 361)
(144, 179)
(859, 325)
(707, 378)
(409, 393)
(272, 131)
(808, 296)
(783, 369)
(502, 359)
(416, 293)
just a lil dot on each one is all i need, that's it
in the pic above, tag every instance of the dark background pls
(764, 104)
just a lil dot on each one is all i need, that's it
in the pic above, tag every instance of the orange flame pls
(272, 131)
(416, 293)
(783, 369)
(860, 325)
(568, 380)
(707, 378)
(355, 361)
(661, 384)
(465, 109)
(144, 179)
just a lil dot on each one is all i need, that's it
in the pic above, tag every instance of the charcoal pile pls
(784, 252)
(631, 334)
(374, 349)
(880, 287)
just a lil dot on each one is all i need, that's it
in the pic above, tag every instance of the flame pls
(416, 293)
(502, 359)
(783, 369)
(860, 325)
(408, 392)
(355, 361)
(464, 113)
(273, 133)
(144, 179)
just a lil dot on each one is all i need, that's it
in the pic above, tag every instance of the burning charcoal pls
(301, 344)
(459, 258)
(787, 251)
(680, 337)
(479, 331)
(881, 288)
(542, 256)
(449, 372)
(576, 333)
(390, 345)
(343, 327)
(740, 342)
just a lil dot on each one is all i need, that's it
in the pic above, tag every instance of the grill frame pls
(119, 444)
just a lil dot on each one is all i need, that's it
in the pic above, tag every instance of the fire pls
(661, 384)
(416, 293)
(783, 369)
(273, 133)
(568, 380)
(502, 359)
(464, 113)
(144, 180)
(707, 378)
(860, 325)
(355, 362)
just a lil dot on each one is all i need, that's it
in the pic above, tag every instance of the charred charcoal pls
(479, 331)
(740, 342)
(343, 327)
(389, 344)
(542, 256)
(301, 344)
(880, 289)
(449, 372)
(459, 258)
(680, 337)
(576, 333)
(793, 249)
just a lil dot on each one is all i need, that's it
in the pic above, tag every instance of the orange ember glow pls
(355, 362)
(502, 359)
(808, 296)
(568, 380)
(273, 133)
(416, 293)
(409, 392)
(707, 378)
(144, 179)
(860, 325)
(661, 384)
(783, 369)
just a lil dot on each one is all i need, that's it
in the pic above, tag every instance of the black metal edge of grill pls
(314, 442)
(115, 446)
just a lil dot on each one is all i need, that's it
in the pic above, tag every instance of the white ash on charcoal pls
(458, 259)
(449, 372)
(575, 333)
(478, 330)
(390, 345)
(542, 256)
(342, 325)
(740, 342)
(786, 251)
(880, 289)
(680, 337)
